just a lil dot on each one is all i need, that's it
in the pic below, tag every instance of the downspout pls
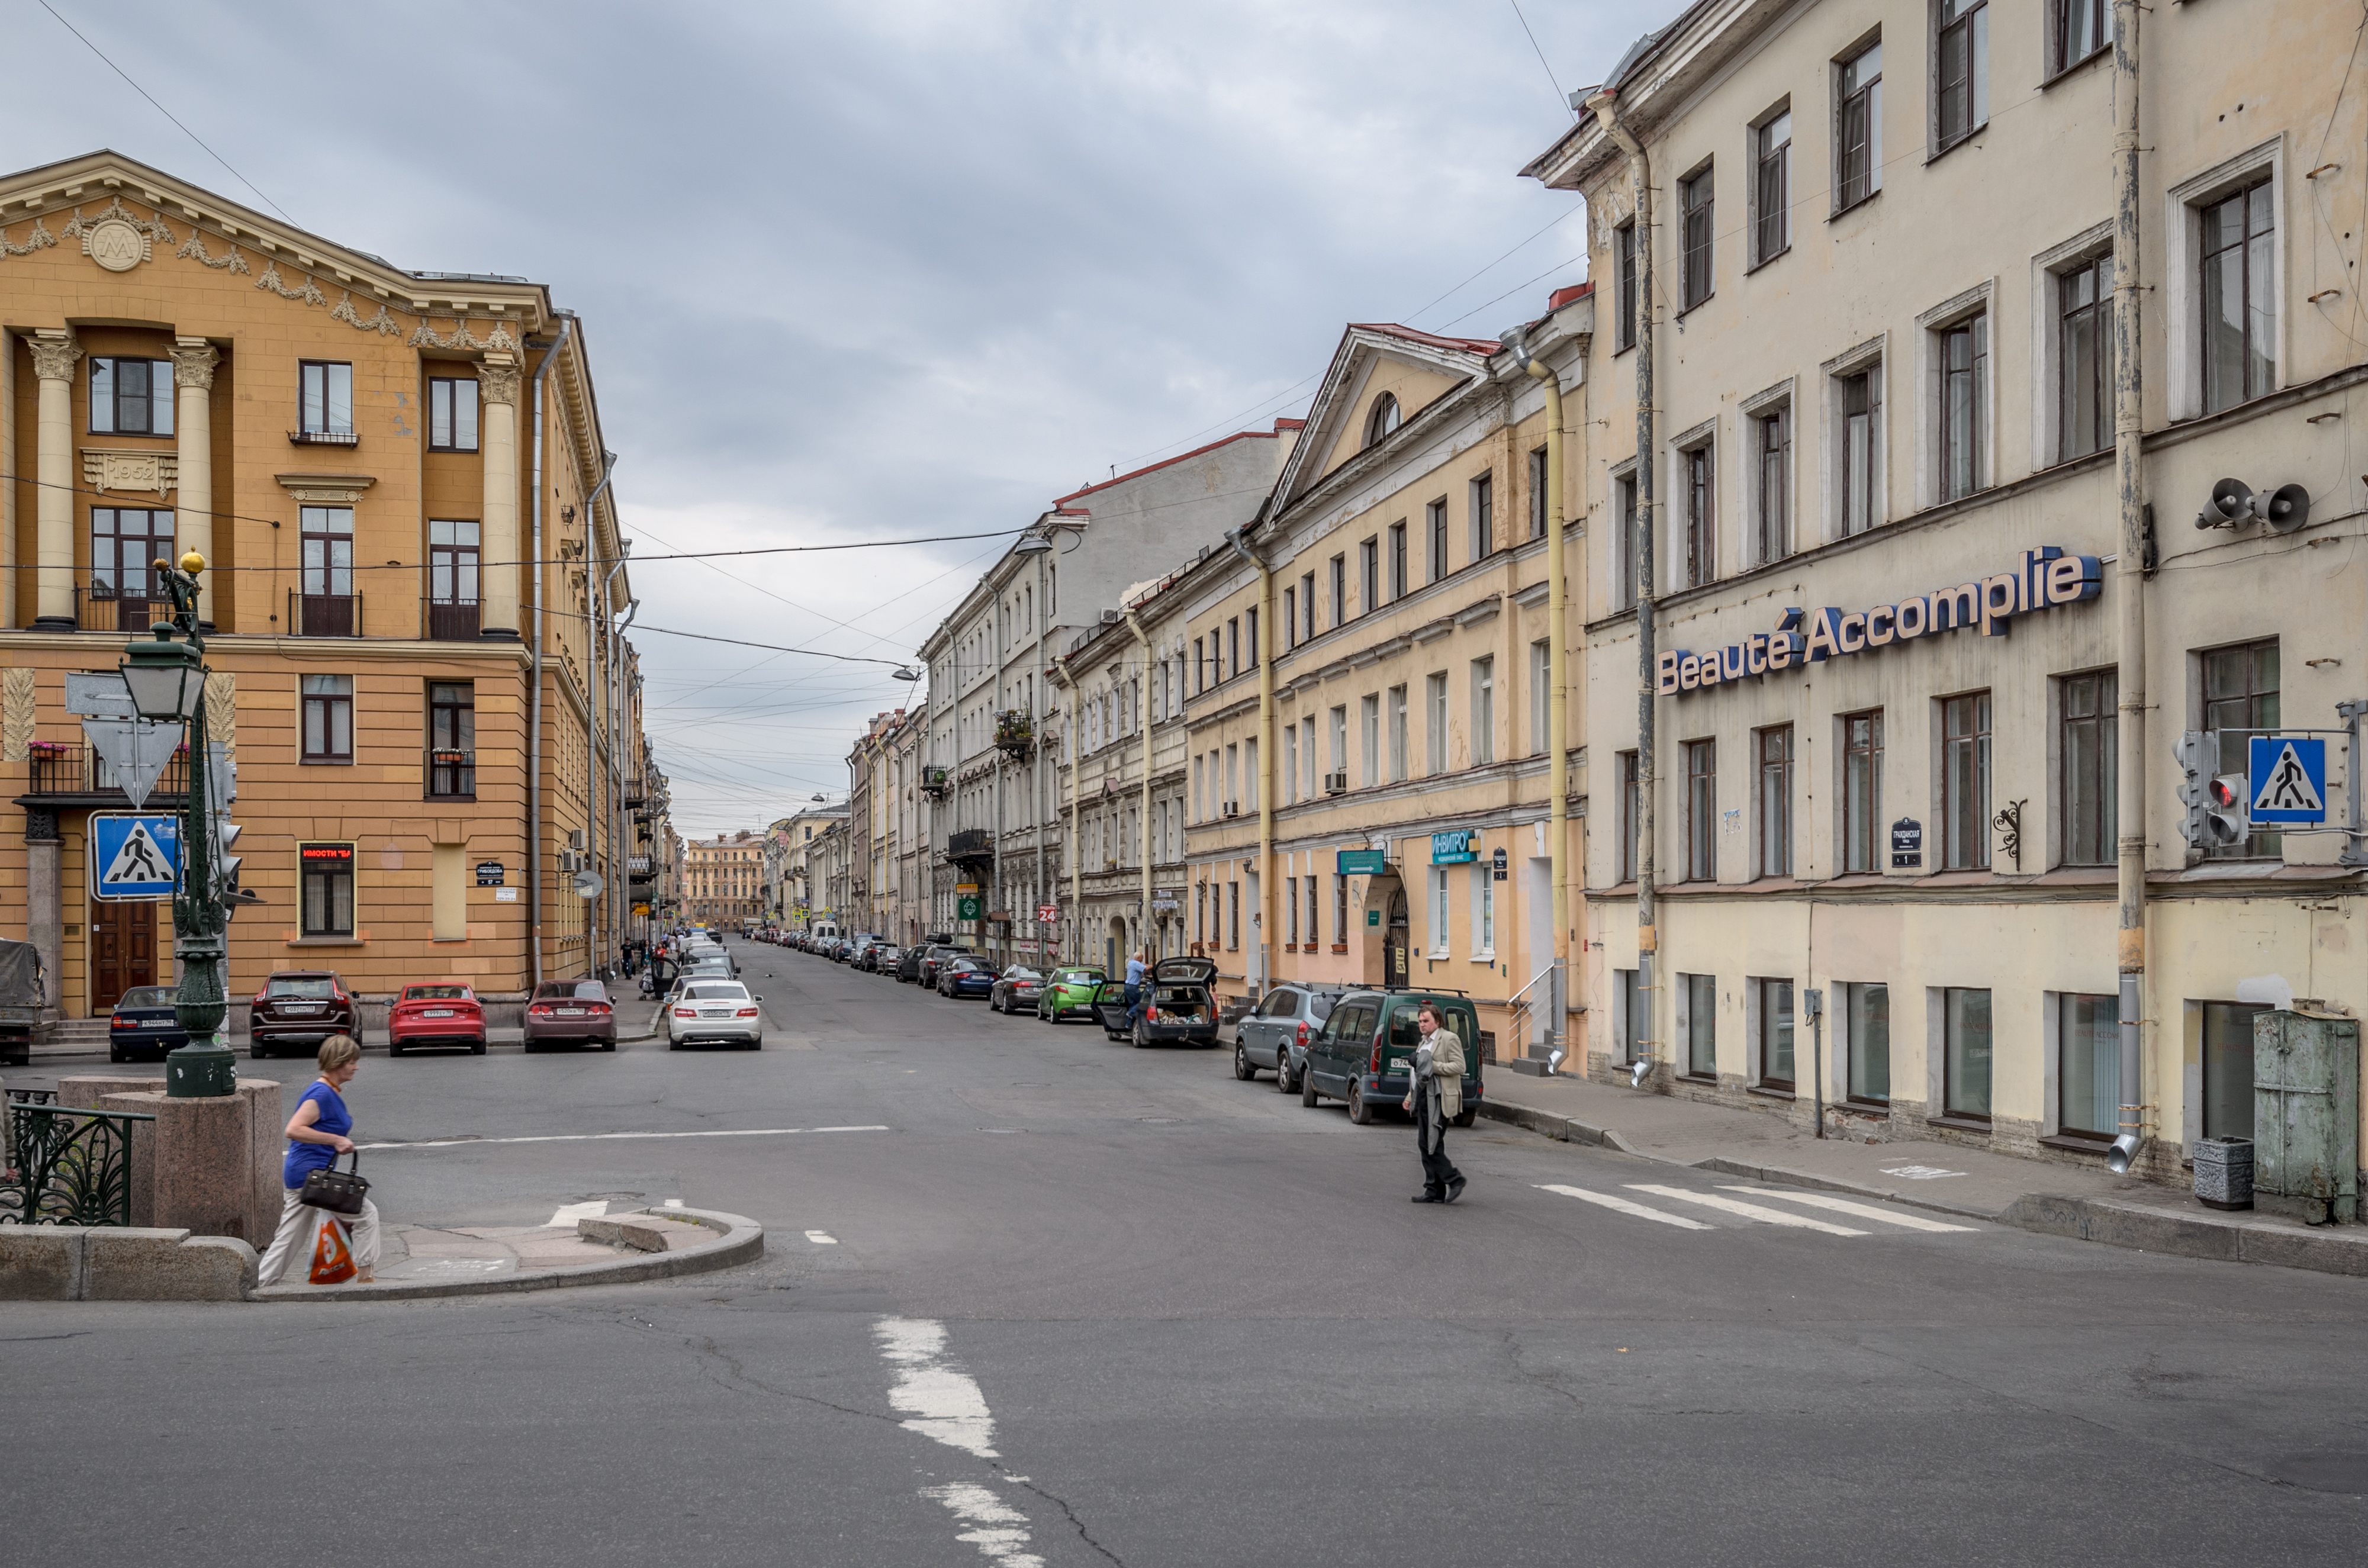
(620, 853)
(2129, 468)
(1558, 716)
(1266, 758)
(611, 700)
(1143, 717)
(1640, 180)
(534, 717)
(1076, 856)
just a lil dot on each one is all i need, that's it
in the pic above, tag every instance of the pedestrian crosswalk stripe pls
(1624, 1206)
(1748, 1211)
(1863, 1211)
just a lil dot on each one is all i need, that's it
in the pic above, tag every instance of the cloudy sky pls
(878, 270)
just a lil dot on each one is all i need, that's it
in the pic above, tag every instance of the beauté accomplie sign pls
(2041, 579)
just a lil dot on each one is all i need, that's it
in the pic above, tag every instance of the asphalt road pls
(1078, 1304)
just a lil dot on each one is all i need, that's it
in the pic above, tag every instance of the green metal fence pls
(68, 1166)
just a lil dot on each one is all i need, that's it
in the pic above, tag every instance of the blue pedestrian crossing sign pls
(134, 855)
(2286, 777)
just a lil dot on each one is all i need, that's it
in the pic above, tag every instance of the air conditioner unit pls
(1233, 808)
(1335, 783)
(575, 838)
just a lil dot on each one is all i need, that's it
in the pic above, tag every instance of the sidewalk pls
(578, 1246)
(2062, 1200)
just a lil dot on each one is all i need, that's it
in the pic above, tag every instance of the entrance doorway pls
(1116, 968)
(1395, 964)
(122, 950)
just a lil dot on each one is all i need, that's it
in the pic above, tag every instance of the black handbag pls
(339, 1192)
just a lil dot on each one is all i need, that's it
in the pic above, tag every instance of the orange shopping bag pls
(333, 1261)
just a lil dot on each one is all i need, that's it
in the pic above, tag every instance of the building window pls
(1858, 127)
(328, 891)
(1866, 1024)
(1541, 696)
(1484, 710)
(1623, 275)
(1863, 833)
(1694, 209)
(125, 544)
(1771, 187)
(1435, 721)
(1291, 765)
(1200, 667)
(451, 415)
(1966, 1063)
(1291, 617)
(1483, 508)
(1702, 1024)
(2240, 693)
(1315, 922)
(1701, 513)
(326, 400)
(2076, 30)
(1339, 590)
(1776, 801)
(2089, 1066)
(451, 579)
(1702, 811)
(328, 718)
(1483, 912)
(1369, 577)
(1964, 369)
(1250, 633)
(327, 573)
(1629, 997)
(1307, 606)
(1858, 411)
(2090, 768)
(1340, 910)
(1232, 648)
(2084, 359)
(1965, 782)
(1340, 742)
(453, 738)
(1961, 71)
(1435, 531)
(1538, 499)
(1772, 1001)
(1771, 450)
(2228, 1068)
(1623, 542)
(131, 397)
(1233, 915)
(1290, 910)
(1397, 734)
(1370, 723)
(1628, 823)
(1398, 560)
(2240, 297)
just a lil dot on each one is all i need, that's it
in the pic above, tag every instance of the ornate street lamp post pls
(166, 678)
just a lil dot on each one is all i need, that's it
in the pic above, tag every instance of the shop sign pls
(489, 873)
(2041, 579)
(1456, 846)
(1048, 913)
(1363, 862)
(1907, 844)
(1166, 898)
(966, 907)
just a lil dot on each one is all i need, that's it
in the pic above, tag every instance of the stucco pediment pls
(1417, 369)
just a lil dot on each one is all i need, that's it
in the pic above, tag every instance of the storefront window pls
(2088, 1064)
(1702, 1017)
(1966, 1069)
(1775, 1042)
(1867, 1021)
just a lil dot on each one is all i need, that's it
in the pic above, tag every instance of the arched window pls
(1382, 420)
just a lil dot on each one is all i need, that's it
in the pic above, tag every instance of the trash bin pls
(2224, 1173)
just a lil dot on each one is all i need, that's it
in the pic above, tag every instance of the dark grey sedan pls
(1016, 990)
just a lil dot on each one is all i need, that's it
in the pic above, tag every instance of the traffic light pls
(2227, 811)
(2196, 750)
(226, 890)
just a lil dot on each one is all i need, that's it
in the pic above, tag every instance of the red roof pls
(1062, 502)
(1562, 297)
(1468, 345)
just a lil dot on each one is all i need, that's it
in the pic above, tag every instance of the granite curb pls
(740, 1240)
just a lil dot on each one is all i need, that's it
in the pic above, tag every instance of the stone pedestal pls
(268, 1124)
(211, 1166)
(143, 1148)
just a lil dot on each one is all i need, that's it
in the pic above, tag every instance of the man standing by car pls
(1436, 1099)
(1134, 972)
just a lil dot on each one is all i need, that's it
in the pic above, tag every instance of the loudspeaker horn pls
(2288, 509)
(2231, 503)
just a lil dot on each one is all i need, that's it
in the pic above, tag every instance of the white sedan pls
(715, 1010)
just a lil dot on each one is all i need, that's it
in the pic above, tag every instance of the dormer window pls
(1382, 420)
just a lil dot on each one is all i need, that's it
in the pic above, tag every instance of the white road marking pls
(1863, 1211)
(1920, 1173)
(603, 1137)
(944, 1402)
(673, 1203)
(1625, 1206)
(822, 1238)
(1748, 1211)
(998, 1530)
(570, 1213)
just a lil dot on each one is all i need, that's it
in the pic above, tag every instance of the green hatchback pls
(1068, 993)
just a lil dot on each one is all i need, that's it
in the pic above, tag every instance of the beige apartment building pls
(724, 880)
(1923, 646)
(1369, 788)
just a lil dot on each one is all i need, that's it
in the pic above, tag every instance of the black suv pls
(1360, 1055)
(1274, 1035)
(933, 957)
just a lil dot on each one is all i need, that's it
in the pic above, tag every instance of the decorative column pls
(54, 355)
(193, 374)
(45, 900)
(498, 579)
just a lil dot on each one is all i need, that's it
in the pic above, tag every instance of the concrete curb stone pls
(740, 1240)
(122, 1263)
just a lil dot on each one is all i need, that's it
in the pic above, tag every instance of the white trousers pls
(299, 1224)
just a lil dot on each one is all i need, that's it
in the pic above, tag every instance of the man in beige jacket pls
(1436, 1099)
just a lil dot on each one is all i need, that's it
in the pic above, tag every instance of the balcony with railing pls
(1015, 732)
(452, 621)
(324, 615)
(970, 844)
(78, 776)
(104, 608)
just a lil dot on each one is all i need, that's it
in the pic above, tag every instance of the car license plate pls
(569, 1012)
(714, 1012)
(438, 1012)
(306, 1007)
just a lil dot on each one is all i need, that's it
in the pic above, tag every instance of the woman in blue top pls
(317, 1136)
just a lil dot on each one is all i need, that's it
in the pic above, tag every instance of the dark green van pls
(1360, 1054)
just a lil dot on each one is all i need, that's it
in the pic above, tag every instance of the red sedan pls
(436, 1015)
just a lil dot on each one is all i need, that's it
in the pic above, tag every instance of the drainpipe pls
(1143, 717)
(534, 704)
(1640, 181)
(1266, 757)
(2129, 469)
(620, 836)
(1558, 716)
(1076, 853)
(610, 701)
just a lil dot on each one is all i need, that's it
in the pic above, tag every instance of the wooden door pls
(122, 950)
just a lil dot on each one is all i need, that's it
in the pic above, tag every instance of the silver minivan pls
(1272, 1036)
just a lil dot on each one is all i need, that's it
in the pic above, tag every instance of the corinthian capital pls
(498, 384)
(54, 356)
(193, 364)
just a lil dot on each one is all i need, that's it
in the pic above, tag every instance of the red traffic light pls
(2227, 791)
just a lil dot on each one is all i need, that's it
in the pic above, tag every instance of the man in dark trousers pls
(1437, 1099)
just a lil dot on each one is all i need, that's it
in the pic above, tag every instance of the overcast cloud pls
(873, 270)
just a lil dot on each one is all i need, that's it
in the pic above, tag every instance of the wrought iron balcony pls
(970, 844)
(452, 621)
(324, 615)
(1015, 732)
(77, 775)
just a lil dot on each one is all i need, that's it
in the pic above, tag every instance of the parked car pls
(571, 1012)
(1068, 993)
(908, 963)
(297, 1009)
(1273, 1035)
(23, 991)
(714, 1011)
(884, 958)
(1015, 988)
(436, 1015)
(961, 977)
(713, 966)
(1359, 1053)
(935, 958)
(1110, 1008)
(141, 1025)
(1179, 1004)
